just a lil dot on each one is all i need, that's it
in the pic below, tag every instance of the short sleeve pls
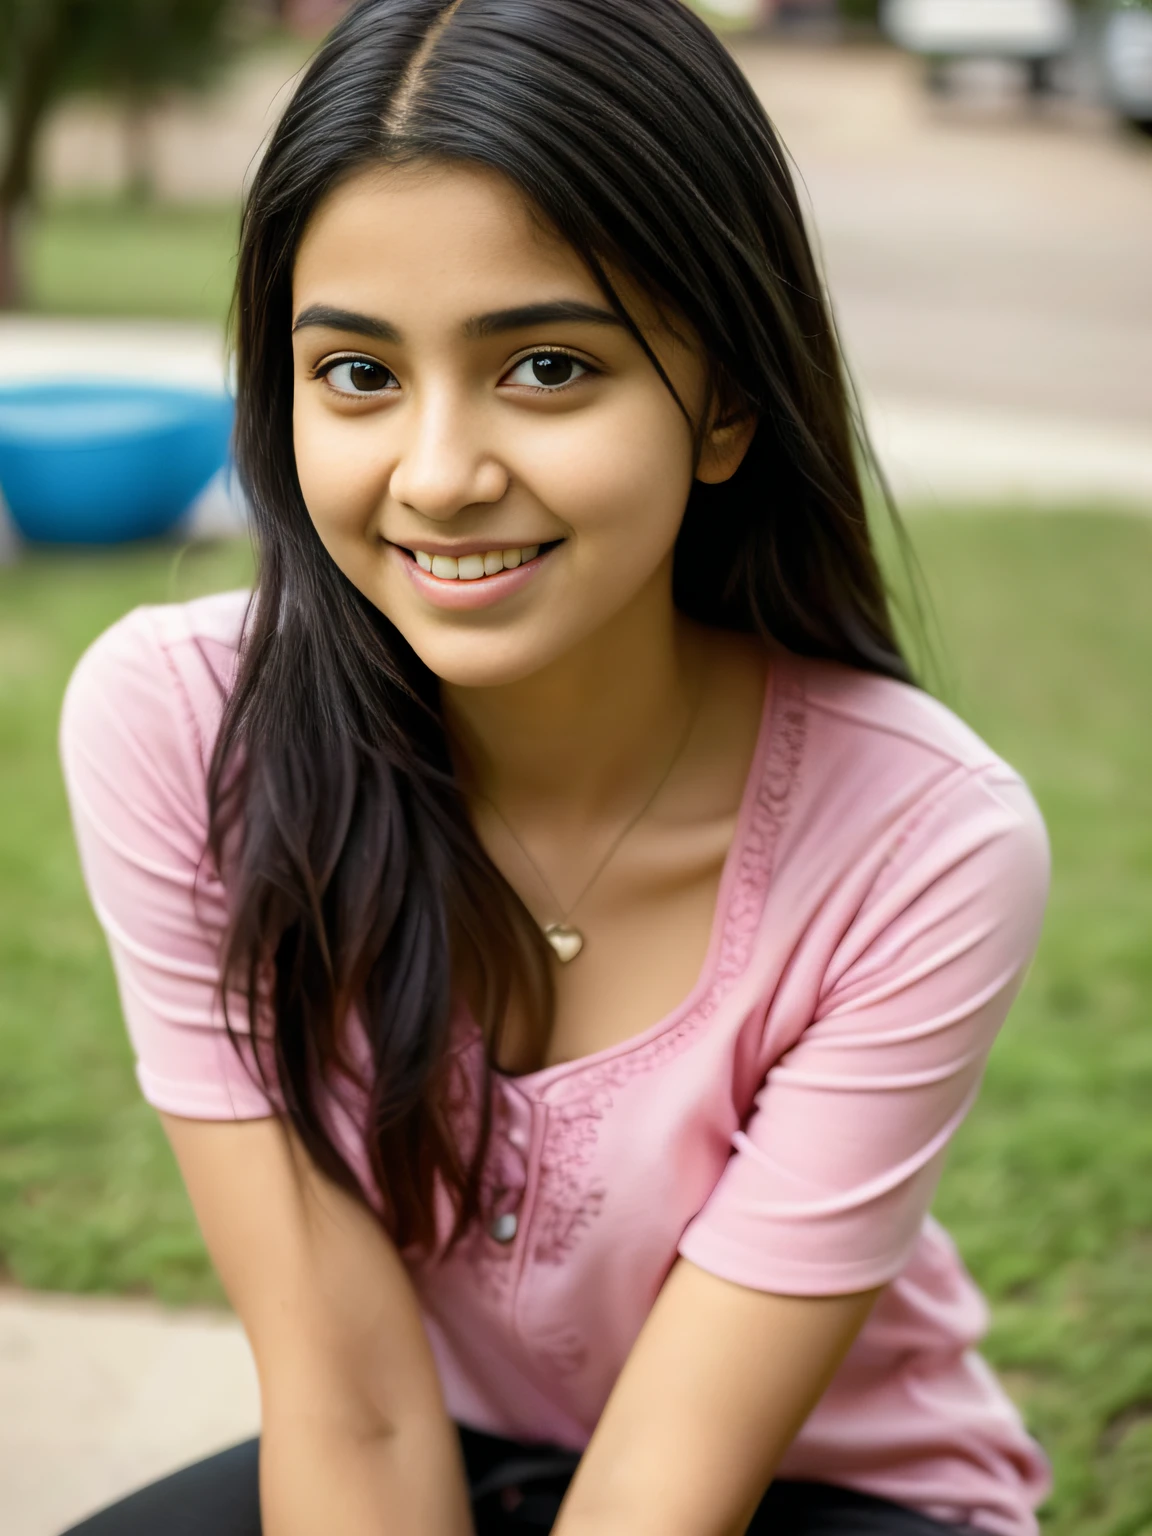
(831, 1176)
(134, 758)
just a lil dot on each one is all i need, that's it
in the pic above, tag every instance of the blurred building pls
(311, 16)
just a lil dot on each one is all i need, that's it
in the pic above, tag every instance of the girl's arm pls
(356, 1438)
(715, 1388)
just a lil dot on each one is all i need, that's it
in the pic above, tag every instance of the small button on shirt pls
(783, 1128)
(505, 1227)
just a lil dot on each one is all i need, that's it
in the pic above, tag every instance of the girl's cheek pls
(601, 480)
(342, 476)
(637, 440)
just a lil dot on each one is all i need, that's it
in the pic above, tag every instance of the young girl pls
(558, 937)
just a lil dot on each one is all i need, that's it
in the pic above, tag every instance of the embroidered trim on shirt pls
(567, 1200)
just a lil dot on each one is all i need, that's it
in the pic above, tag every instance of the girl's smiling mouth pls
(473, 578)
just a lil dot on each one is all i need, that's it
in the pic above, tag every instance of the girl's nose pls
(444, 466)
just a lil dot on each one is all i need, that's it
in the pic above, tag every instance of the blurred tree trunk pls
(27, 102)
(138, 149)
(51, 48)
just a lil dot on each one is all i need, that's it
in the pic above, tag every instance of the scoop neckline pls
(544, 1077)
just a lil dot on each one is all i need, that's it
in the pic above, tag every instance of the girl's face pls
(485, 451)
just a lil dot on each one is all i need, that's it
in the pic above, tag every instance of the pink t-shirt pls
(784, 1127)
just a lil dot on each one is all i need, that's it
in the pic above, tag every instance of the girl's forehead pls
(454, 224)
(430, 246)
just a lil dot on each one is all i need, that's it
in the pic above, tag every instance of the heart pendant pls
(566, 942)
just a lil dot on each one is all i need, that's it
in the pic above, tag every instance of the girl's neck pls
(578, 737)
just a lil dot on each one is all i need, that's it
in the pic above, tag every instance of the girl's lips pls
(467, 595)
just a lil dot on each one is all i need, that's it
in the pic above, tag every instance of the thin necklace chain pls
(621, 835)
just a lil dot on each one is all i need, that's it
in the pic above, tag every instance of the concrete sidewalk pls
(99, 1396)
(948, 456)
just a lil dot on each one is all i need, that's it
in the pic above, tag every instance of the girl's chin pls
(485, 660)
(492, 656)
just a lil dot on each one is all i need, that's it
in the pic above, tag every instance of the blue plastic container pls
(101, 461)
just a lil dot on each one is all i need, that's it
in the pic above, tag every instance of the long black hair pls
(357, 886)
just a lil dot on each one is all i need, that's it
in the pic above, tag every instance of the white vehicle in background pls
(1125, 60)
(1113, 37)
(1037, 33)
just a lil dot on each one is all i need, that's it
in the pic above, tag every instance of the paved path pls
(97, 1397)
(980, 253)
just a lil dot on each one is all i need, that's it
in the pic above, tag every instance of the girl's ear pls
(725, 444)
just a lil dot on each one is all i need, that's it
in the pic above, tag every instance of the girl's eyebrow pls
(559, 311)
(332, 319)
(571, 311)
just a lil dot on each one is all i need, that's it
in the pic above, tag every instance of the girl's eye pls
(360, 376)
(547, 370)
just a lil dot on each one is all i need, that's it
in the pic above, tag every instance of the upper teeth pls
(472, 567)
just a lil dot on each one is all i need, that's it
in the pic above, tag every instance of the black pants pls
(516, 1491)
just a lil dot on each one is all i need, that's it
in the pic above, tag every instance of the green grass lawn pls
(111, 257)
(1048, 632)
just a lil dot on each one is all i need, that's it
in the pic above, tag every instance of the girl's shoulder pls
(140, 720)
(882, 716)
(867, 768)
(862, 721)
(158, 678)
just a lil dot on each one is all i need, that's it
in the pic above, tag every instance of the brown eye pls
(547, 370)
(360, 376)
(552, 368)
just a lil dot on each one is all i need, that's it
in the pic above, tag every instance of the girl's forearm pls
(317, 1477)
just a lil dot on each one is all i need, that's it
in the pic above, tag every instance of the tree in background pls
(129, 49)
(861, 11)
